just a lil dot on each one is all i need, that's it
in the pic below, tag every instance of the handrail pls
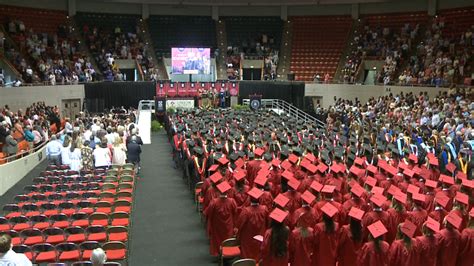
(6, 159)
(282, 107)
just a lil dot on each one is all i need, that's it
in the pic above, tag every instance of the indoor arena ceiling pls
(247, 2)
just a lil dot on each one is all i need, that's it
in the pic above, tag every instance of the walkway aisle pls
(166, 229)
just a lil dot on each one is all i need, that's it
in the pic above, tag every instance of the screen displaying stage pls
(191, 61)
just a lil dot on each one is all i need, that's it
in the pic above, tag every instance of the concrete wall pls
(326, 92)
(14, 171)
(19, 98)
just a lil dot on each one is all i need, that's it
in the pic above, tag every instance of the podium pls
(255, 101)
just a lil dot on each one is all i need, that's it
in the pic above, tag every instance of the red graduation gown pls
(449, 241)
(427, 249)
(221, 214)
(401, 255)
(309, 216)
(295, 200)
(395, 219)
(418, 217)
(347, 249)
(252, 221)
(325, 245)
(241, 196)
(369, 256)
(466, 249)
(374, 216)
(269, 259)
(301, 247)
(252, 170)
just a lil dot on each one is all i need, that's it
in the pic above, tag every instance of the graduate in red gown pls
(466, 249)
(397, 214)
(301, 243)
(326, 235)
(306, 212)
(404, 250)
(449, 240)
(377, 213)
(418, 215)
(375, 251)
(240, 189)
(428, 243)
(221, 214)
(252, 221)
(351, 238)
(275, 246)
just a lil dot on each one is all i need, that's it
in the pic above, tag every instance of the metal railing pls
(23, 153)
(282, 107)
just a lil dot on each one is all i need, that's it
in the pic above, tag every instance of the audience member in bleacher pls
(53, 151)
(8, 256)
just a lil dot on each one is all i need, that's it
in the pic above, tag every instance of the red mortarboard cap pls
(413, 189)
(462, 198)
(293, 158)
(356, 213)
(432, 224)
(433, 160)
(316, 186)
(255, 193)
(281, 200)
(403, 165)
(400, 197)
(419, 197)
(359, 161)
(417, 170)
(263, 172)
(322, 167)
(425, 173)
(371, 181)
(391, 170)
(312, 168)
(239, 175)
(213, 167)
(372, 169)
(223, 160)
(468, 183)
(258, 152)
(454, 219)
(413, 158)
(377, 190)
(392, 190)
(287, 175)
(276, 162)
(329, 209)
(239, 162)
(408, 228)
(285, 164)
(408, 172)
(377, 229)
(336, 168)
(442, 200)
(278, 215)
(308, 197)
(223, 187)
(451, 167)
(260, 180)
(446, 179)
(294, 183)
(430, 155)
(304, 163)
(357, 190)
(461, 175)
(431, 183)
(264, 165)
(310, 157)
(354, 170)
(216, 177)
(328, 189)
(378, 199)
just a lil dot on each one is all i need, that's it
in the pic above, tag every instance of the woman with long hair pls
(65, 151)
(466, 248)
(428, 243)
(326, 234)
(274, 249)
(375, 251)
(351, 238)
(403, 250)
(119, 154)
(301, 243)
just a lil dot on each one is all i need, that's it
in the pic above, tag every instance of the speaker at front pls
(255, 102)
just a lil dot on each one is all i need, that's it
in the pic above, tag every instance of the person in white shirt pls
(10, 257)
(102, 155)
(65, 151)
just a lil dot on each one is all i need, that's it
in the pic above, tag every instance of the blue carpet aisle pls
(166, 229)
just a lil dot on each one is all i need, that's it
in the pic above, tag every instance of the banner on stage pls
(180, 104)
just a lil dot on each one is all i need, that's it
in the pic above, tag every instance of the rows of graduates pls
(294, 194)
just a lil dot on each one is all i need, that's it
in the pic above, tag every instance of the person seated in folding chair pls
(10, 257)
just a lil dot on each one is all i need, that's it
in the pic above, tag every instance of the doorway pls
(71, 108)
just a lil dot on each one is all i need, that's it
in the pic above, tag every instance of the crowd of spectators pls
(108, 45)
(24, 130)
(55, 58)
(440, 59)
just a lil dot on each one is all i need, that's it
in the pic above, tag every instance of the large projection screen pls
(194, 61)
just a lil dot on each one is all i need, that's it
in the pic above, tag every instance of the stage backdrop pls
(292, 92)
(116, 94)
